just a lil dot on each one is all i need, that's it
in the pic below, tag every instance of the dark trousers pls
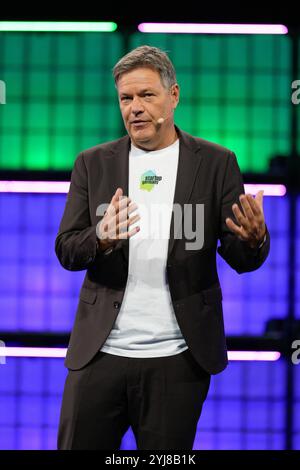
(161, 398)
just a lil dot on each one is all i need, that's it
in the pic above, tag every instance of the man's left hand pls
(252, 227)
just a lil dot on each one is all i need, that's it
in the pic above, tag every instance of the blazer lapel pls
(118, 174)
(188, 166)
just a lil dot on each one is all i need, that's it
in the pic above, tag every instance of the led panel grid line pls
(41, 352)
(212, 28)
(58, 26)
(57, 187)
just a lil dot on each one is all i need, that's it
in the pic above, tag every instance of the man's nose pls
(137, 105)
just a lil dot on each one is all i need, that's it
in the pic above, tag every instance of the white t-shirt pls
(146, 325)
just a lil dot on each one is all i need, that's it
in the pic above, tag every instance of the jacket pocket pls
(210, 296)
(88, 295)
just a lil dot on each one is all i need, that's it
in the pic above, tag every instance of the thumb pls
(118, 194)
(114, 200)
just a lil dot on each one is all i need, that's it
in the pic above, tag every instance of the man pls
(149, 327)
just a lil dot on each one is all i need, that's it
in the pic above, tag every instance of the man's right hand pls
(116, 222)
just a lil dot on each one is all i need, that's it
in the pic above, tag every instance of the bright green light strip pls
(67, 26)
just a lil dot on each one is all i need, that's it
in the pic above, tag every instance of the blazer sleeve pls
(237, 253)
(76, 241)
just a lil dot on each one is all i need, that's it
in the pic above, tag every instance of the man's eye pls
(148, 94)
(125, 98)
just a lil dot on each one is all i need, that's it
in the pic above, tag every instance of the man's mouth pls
(139, 123)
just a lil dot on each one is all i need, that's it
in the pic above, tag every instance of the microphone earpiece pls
(160, 120)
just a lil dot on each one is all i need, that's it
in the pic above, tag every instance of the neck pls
(151, 146)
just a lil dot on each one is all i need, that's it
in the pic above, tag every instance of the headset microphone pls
(161, 120)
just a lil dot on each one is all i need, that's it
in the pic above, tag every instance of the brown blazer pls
(208, 174)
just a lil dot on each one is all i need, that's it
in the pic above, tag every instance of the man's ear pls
(175, 92)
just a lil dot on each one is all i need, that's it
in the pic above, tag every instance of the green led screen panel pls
(235, 90)
(60, 97)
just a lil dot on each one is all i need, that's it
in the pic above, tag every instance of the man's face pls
(143, 100)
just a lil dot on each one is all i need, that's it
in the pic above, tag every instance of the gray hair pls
(147, 56)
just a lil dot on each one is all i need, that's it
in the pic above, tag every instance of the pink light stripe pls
(253, 355)
(32, 352)
(269, 189)
(60, 187)
(61, 352)
(34, 187)
(212, 28)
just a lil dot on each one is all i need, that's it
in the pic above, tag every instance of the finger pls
(115, 198)
(111, 210)
(254, 205)
(133, 231)
(124, 213)
(237, 230)
(127, 223)
(233, 227)
(133, 219)
(124, 210)
(122, 202)
(118, 193)
(246, 207)
(120, 219)
(132, 207)
(241, 219)
(129, 234)
(112, 226)
(117, 204)
(259, 198)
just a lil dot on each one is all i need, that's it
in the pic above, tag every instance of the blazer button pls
(117, 304)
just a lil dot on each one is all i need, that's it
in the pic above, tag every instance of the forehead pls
(142, 77)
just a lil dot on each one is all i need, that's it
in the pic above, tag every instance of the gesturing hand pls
(252, 226)
(116, 222)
